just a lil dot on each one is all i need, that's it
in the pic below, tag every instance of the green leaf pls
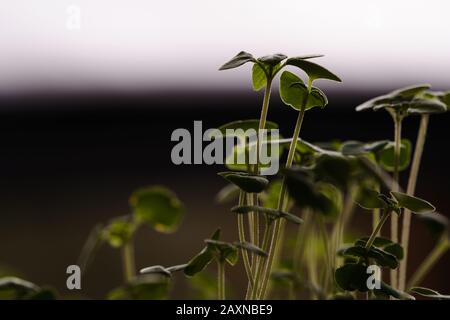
(396, 250)
(382, 258)
(119, 231)
(293, 93)
(238, 60)
(351, 277)
(273, 59)
(333, 205)
(247, 182)
(429, 293)
(203, 259)
(250, 247)
(16, 288)
(227, 251)
(336, 170)
(369, 199)
(389, 291)
(356, 148)
(426, 106)
(386, 156)
(270, 196)
(273, 213)
(411, 91)
(313, 70)
(159, 207)
(304, 191)
(413, 204)
(259, 78)
(199, 262)
(228, 194)
(400, 97)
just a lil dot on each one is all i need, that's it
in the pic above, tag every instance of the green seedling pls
(401, 103)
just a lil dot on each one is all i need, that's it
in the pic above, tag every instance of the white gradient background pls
(154, 45)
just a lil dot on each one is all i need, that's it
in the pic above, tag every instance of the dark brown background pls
(69, 161)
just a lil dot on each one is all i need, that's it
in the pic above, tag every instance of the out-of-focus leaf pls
(144, 287)
(227, 194)
(119, 231)
(159, 207)
(386, 156)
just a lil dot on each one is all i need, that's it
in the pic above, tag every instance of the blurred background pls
(91, 92)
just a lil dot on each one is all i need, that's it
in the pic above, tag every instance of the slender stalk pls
(377, 229)
(394, 217)
(221, 279)
(260, 267)
(328, 268)
(427, 264)
(241, 232)
(282, 201)
(376, 215)
(406, 224)
(128, 261)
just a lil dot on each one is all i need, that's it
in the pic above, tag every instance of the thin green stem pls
(412, 181)
(377, 229)
(128, 261)
(241, 232)
(395, 187)
(265, 247)
(427, 264)
(221, 279)
(282, 201)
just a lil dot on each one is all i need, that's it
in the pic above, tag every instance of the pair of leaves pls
(408, 100)
(371, 199)
(385, 244)
(220, 251)
(269, 212)
(214, 249)
(382, 257)
(246, 182)
(271, 64)
(294, 93)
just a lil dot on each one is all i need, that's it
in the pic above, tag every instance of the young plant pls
(154, 206)
(301, 98)
(401, 103)
(222, 253)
